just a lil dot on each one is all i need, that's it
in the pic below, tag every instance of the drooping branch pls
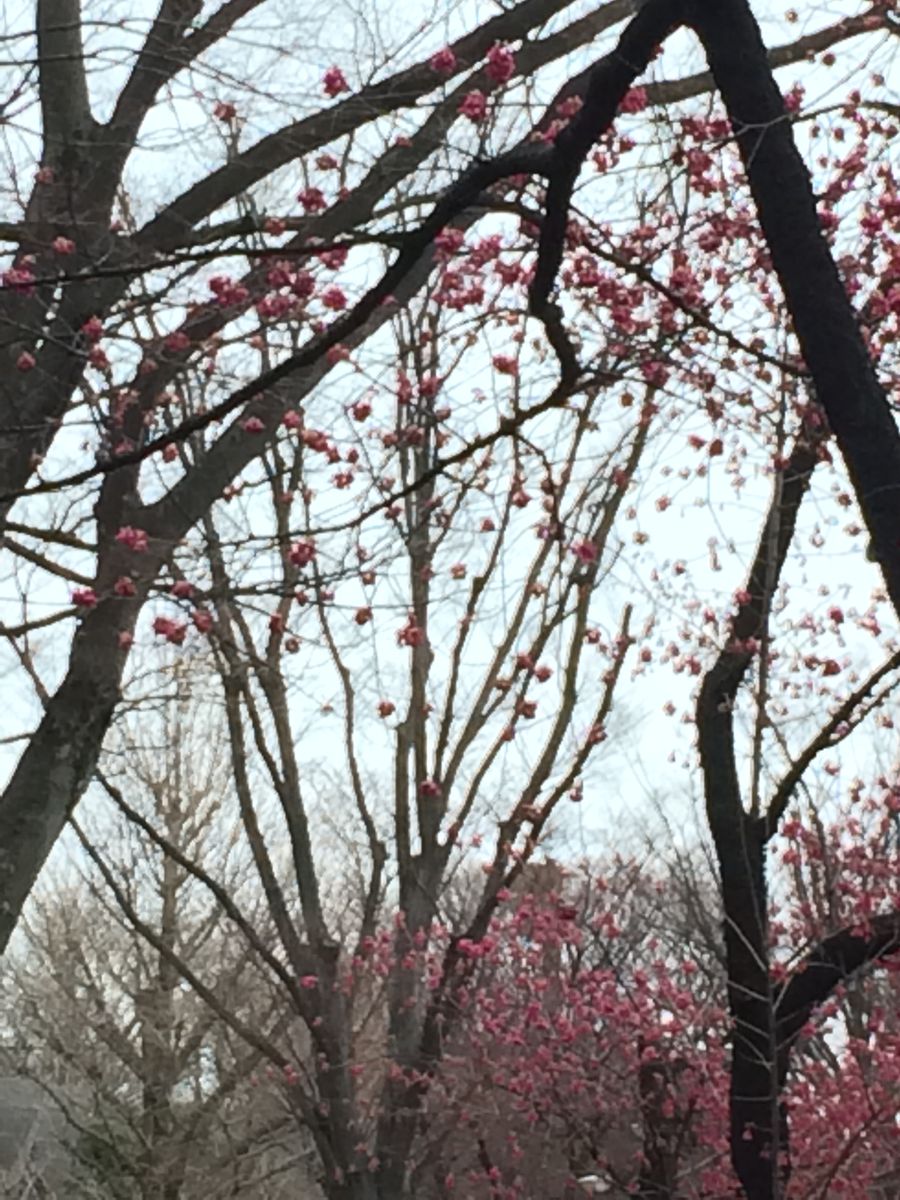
(824, 968)
(607, 84)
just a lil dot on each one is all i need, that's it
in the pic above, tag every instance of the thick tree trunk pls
(758, 1129)
(57, 765)
(758, 1133)
(827, 328)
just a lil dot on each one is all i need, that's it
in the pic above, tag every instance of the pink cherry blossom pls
(411, 634)
(172, 631)
(505, 364)
(585, 551)
(18, 279)
(333, 258)
(176, 342)
(655, 372)
(449, 240)
(92, 329)
(634, 101)
(334, 298)
(202, 619)
(474, 106)
(303, 285)
(302, 553)
(312, 199)
(134, 539)
(124, 586)
(84, 597)
(443, 62)
(501, 63)
(334, 82)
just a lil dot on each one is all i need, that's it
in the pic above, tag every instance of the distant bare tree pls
(153, 1085)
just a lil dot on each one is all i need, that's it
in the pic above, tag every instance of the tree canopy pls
(455, 422)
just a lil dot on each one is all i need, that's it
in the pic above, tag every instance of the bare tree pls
(154, 1089)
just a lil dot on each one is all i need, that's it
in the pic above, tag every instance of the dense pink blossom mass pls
(581, 1043)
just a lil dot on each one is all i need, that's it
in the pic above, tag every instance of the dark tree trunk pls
(758, 1128)
(826, 325)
